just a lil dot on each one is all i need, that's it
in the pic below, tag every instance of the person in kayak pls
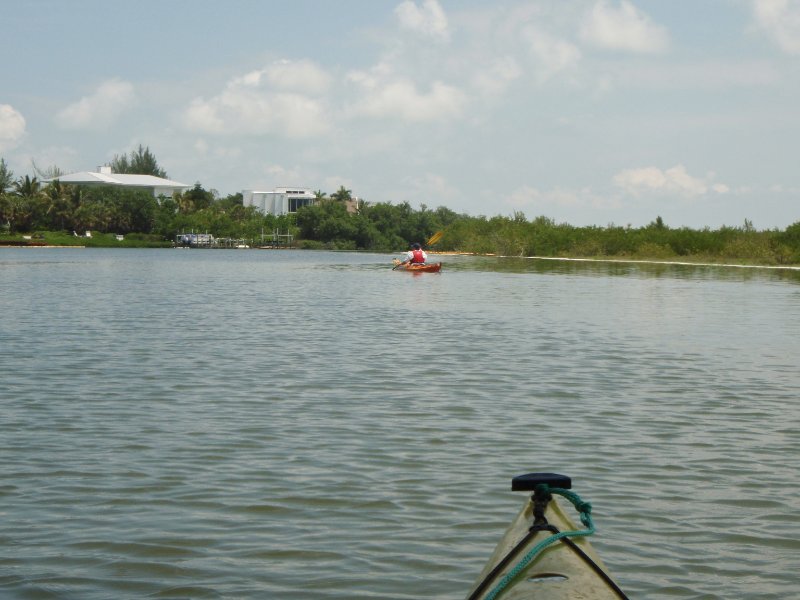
(416, 255)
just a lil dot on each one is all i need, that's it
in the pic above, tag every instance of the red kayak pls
(417, 267)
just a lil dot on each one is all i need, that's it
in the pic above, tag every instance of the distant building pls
(103, 176)
(280, 201)
(353, 205)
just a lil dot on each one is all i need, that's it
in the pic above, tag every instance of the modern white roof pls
(292, 190)
(122, 179)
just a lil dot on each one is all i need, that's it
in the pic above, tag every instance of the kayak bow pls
(543, 555)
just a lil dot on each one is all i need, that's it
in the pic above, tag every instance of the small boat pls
(543, 555)
(417, 267)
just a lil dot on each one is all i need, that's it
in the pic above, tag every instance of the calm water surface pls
(279, 424)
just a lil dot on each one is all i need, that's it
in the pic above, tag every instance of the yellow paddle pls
(435, 238)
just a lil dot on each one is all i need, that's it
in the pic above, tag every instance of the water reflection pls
(602, 268)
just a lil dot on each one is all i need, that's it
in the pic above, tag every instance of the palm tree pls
(58, 204)
(6, 176)
(93, 214)
(185, 202)
(25, 199)
(342, 194)
(27, 187)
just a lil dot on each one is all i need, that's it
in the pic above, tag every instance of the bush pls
(749, 247)
(310, 245)
(145, 237)
(654, 251)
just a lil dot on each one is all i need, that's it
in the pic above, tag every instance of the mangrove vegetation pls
(58, 214)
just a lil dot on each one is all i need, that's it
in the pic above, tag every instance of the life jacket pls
(417, 257)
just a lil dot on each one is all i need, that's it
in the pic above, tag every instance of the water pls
(279, 424)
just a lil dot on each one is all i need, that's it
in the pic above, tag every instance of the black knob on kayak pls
(527, 483)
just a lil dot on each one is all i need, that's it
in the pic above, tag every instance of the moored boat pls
(543, 555)
(417, 268)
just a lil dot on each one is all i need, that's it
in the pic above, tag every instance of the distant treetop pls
(138, 162)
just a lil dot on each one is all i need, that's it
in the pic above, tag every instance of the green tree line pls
(387, 227)
(335, 221)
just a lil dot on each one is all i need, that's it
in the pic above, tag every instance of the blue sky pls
(589, 112)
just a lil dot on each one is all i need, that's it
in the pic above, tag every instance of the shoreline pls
(553, 258)
(2, 245)
(627, 260)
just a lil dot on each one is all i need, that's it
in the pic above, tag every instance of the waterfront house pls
(158, 186)
(280, 201)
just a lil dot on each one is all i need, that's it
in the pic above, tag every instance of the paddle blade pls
(435, 238)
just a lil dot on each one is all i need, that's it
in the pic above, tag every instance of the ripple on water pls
(325, 428)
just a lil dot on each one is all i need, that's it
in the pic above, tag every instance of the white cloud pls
(781, 20)
(285, 98)
(384, 97)
(623, 28)
(431, 185)
(552, 54)
(428, 19)
(496, 77)
(12, 127)
(202, 116)
(675, 180)
(284, 175)
(302, 76)
(100, 109)
(528, 198)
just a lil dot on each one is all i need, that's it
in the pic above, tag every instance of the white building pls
(103, 176)
(280, 201)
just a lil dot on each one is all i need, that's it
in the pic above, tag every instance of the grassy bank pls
(98, 240)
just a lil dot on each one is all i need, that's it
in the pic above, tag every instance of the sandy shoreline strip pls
(627, 260)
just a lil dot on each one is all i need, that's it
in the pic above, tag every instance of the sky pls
(587, 112)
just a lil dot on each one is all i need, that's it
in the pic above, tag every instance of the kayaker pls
(416, 255)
